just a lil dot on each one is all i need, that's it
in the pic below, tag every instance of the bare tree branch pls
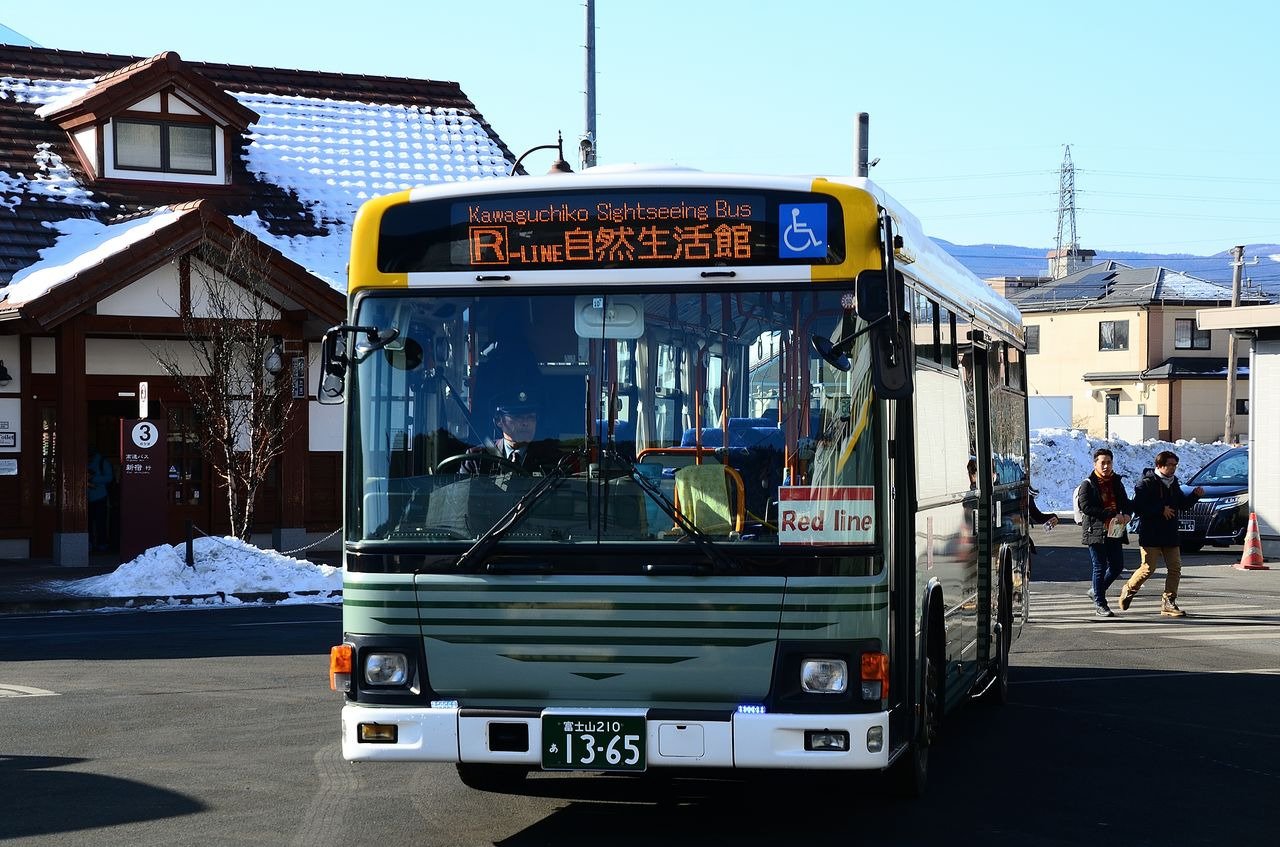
(242, 410)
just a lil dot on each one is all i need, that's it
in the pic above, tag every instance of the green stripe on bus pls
(596, 658)
(596, 638)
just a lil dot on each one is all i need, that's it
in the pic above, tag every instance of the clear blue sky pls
(1170, 108)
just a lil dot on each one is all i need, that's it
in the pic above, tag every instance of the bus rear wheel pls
(502, 779)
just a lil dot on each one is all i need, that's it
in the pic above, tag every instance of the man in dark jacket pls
(1157, 499)
(1102, 501)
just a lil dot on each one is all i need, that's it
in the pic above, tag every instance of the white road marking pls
(24, 691)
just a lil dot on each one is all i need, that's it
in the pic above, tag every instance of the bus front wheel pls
(909, 775)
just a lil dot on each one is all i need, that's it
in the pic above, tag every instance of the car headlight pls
(386, 668)
(1234, 500)
(824, 676)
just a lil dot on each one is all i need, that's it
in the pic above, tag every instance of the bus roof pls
(927, 260)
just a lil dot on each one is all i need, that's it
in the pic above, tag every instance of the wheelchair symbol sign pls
(802, 231)
(144, 435)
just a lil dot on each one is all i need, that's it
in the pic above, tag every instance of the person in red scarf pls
(1105, 505)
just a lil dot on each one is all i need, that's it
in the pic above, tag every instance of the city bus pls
(780, 518)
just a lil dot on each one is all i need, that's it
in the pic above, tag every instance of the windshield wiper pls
(709, 548)
(477, 552)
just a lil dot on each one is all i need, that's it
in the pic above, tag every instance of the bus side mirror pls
(876, 304)
(333, 367)
(871, 295)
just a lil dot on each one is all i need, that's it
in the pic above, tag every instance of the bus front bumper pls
(738, 741)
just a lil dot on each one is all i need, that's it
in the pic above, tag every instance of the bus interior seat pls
(712, 497)
(624, 436)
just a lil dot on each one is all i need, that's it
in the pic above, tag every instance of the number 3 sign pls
(144, 435)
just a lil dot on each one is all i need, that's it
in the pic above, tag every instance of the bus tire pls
(909, 775)
(501, 779)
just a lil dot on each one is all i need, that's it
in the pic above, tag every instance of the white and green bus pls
(758, 536)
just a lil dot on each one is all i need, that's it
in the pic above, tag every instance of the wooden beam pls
(73, 428)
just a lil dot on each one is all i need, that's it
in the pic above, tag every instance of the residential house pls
(114, 170)
(1123, 341)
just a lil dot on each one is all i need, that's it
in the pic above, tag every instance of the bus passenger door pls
(985, 512)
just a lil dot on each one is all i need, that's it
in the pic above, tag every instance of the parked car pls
(1222, 515)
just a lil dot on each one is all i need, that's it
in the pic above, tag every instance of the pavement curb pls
(74, 603)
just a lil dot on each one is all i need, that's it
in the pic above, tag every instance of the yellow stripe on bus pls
(861, 231)
(362, 271)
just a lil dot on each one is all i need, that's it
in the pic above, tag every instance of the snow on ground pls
(1060, 458)
(224, 565)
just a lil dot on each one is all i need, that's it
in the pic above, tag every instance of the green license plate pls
(593, 742)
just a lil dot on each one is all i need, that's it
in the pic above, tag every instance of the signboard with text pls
(143, 483)
(612, 228)
(820, 515)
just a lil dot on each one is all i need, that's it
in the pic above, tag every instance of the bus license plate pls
(1187, 526)
(593, 742)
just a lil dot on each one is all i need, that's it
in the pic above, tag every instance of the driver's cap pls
(519, 402)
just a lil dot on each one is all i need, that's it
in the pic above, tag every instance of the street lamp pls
(559, 166)
(273, 361)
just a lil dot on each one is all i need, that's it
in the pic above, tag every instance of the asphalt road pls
(212, 727)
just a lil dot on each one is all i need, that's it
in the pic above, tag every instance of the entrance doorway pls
(104, 436)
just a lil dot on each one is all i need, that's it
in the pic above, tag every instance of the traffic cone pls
(1251, 559)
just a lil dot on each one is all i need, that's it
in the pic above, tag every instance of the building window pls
(1033, 340)
(167, 146)
(1187, 337)
(1113, 335)
(1242, 407)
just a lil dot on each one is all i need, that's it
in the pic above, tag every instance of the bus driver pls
(515, 417)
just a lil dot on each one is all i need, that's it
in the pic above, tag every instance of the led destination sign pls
(631, 228)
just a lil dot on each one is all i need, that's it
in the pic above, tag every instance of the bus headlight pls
(824, 676)
(386, 668)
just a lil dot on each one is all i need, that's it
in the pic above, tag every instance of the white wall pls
(155, 295)
(324, 422)
(1264, 445)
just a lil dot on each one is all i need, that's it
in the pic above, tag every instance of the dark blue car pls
(1221, 517)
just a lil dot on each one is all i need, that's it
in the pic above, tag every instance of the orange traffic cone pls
(1251, 559)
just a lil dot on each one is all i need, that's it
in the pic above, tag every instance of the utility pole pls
(1237, 271)
(587, 147)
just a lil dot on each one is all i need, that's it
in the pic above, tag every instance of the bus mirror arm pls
(334, 360)
(836, 353)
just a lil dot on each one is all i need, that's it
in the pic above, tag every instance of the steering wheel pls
(481, 457)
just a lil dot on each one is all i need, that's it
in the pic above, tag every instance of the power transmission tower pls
(1067, 246)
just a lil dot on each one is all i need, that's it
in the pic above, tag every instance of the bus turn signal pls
(340, 668)
(875, 676)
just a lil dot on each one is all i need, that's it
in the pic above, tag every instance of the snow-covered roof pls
(323, 144)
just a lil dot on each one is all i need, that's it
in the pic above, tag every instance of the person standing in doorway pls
(1105, 507)
(1157, 499)
(99, 476)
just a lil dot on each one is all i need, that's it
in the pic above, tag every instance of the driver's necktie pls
(517, 457)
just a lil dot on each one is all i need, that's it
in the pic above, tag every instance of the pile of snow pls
(225, 565)
(1061, 458)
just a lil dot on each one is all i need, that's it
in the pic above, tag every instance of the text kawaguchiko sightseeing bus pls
(667, 470)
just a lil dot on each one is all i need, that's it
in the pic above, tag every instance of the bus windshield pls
(639, 418)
